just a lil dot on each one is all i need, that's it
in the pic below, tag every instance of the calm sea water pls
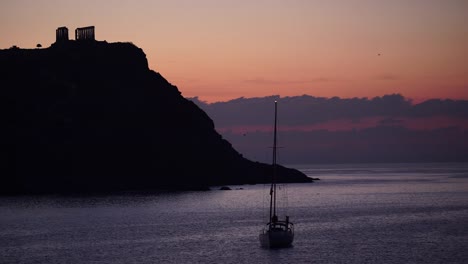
(390, 213)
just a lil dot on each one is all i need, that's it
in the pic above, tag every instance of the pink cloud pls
(422, 123)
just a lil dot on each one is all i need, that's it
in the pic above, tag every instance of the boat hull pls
(276, 238)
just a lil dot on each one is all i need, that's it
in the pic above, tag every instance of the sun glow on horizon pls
(222, 50)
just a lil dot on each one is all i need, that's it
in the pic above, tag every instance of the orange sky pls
(219, 50)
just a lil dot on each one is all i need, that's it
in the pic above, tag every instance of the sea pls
(355, 213)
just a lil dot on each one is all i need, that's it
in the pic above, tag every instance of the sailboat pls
(277, 233)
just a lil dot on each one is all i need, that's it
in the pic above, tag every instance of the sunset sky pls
(220, 50)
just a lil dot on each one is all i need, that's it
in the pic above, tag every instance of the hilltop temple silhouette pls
(61, 34)
(84, 33)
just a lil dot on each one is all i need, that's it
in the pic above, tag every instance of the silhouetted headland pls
(90, 116)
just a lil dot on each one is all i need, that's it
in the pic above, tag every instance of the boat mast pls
(273, 178)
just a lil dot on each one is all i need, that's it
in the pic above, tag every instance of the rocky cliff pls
(92, 117)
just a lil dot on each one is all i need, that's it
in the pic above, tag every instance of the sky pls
(219, 50)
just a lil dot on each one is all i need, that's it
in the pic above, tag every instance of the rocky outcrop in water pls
(92, 117)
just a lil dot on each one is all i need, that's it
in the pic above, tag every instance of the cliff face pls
(93, 117)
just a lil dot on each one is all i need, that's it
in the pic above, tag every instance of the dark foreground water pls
(400, 213)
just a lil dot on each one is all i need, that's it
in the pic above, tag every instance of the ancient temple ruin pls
(81, 34)
(84, 33)
(61, 34)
